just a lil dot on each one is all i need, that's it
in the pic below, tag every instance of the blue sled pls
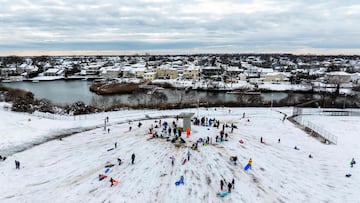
(222, 194)
(107, 170)
(247, 167)
(181, 181)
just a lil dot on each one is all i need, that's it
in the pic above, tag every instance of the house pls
(89, 71)
(276, 77)
(253, 72)
(8, 71)
(166, 72)
(150, 76)
(355, 78)
(191, 73)
(233, 71)
(210, 71)
(53, 72)
(139, 72)
(110, 72)
(337, 77)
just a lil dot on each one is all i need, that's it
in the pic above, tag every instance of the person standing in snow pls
(115, 145)
(188, 155)
(221, 184)
(169, 131)
(108, 130)
(132, 158)
(229, 187)
(17, 164)
(172, 160)
(111, 181)
(261, 140)
(233, 183)
(119, 160)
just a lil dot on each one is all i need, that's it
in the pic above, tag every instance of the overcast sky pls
(182, 26)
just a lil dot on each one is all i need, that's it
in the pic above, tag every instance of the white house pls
(338, 77)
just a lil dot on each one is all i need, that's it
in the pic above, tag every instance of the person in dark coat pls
(112, 182)
(172, 160)
(17, 164)
(119, 161)
(221, 184)
(132, 158)
(229, 187)
(233, 183)
(169, 131)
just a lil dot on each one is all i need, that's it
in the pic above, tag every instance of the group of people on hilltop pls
(205, 121)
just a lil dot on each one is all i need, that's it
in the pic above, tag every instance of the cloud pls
(188, 24)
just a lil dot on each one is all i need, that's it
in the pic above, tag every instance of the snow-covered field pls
(67, 170)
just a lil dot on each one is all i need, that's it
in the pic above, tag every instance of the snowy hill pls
(67, 170)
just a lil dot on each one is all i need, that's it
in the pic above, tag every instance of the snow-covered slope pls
(67, 170)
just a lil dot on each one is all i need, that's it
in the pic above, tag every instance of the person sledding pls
(222, 193)
(109, 165)
(233, 159)
(248, 166)
(113, 182)
(102, 177)
(181, 181)
(261, 140)
(352, 162)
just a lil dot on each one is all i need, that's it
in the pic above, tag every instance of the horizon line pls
(316, 52)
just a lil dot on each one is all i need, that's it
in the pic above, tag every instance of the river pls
(70, 91)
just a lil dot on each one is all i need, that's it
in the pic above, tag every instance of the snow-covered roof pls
(339, 73)
(52, 70)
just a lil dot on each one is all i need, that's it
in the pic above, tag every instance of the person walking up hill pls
(132, 158)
